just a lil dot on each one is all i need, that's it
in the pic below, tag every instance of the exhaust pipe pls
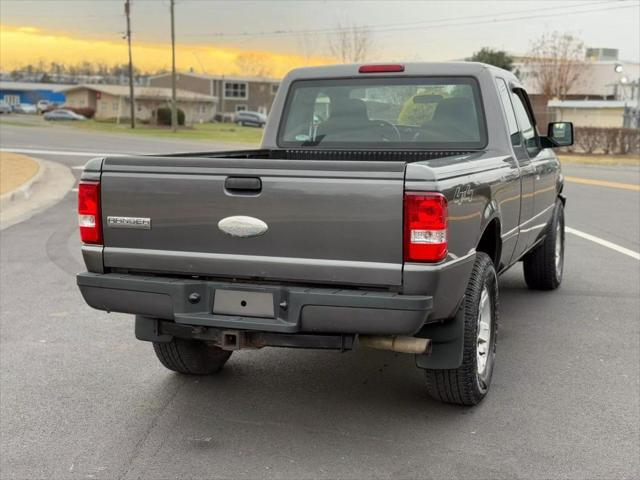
(414, 345)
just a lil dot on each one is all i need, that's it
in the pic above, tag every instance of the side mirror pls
(559, 134)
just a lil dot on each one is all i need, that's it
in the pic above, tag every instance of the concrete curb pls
(23, 191)
(52, 185)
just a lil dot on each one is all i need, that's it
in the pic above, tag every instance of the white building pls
(606, 94)
(112, 102)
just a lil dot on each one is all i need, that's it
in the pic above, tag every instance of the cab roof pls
(411, 69)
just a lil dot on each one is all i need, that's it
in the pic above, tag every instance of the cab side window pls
(503, 91)
(525, 121)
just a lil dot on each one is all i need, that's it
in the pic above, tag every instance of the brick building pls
(235, 93)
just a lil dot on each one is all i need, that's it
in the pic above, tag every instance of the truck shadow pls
(367, 394)
(284, 407)
(307, 387)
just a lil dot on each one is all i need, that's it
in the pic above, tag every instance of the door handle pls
(251, 185)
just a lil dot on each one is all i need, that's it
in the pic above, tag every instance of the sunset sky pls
(211, 34)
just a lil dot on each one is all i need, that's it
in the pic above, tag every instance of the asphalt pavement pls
(80, 397)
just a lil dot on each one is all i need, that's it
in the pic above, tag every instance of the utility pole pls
(174, 107)
(127, 10)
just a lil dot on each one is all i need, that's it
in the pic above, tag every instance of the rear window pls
(412, 113)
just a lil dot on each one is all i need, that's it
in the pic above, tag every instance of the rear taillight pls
(425, 227)
(89, 212)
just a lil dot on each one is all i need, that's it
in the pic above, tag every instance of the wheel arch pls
(490, 241)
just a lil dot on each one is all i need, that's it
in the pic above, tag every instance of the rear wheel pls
(543, 266)
(469, 383)
(191, 357)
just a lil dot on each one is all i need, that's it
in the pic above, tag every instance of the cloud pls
(23, 45)
(28, 29)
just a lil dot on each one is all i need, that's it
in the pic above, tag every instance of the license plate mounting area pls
(245, 303)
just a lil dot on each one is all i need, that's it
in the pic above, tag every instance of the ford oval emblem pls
(243, 227)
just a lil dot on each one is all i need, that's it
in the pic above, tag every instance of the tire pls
(469, 383)
(191, 357)
(543, 266)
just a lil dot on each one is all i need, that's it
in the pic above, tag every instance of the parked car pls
(5, 107)
(253, 119)
(62, 114)
(27, 108)
(386, 225)
(43, 105)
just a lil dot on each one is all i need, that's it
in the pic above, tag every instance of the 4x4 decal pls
(463, 194)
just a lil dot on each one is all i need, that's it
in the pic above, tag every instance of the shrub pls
(587, 139)
(610, 138)
(163, 116)
(629, 141)
(620, 141)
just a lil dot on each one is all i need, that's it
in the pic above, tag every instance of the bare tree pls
(351, 43)
(308, 47)
(557, 63)
(253, 64)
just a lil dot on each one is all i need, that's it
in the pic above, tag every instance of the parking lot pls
(80, 397)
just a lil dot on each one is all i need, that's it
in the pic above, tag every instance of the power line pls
(384, 25)
(507, 20)
(416, 25)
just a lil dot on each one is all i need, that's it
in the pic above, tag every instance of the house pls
(236, 93)
(112, 102)
(14, 93)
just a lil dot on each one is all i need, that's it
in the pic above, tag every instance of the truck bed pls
(321, 216)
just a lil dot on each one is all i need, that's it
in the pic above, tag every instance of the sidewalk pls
(29, 185)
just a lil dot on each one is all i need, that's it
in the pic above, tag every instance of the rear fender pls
(490, 216)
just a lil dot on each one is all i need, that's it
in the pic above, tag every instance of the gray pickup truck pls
(379, 210)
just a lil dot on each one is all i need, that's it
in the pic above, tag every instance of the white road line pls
(78, 167)
(74, 189)
(603, 242)
(63, 153)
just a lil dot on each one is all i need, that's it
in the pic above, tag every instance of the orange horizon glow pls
(20, 46)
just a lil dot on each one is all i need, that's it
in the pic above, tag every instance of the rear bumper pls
(296, 309)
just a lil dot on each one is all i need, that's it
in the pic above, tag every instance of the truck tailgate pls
(328, 221)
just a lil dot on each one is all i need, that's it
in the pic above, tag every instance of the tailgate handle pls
(243, 184)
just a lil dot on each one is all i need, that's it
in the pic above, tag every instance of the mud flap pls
(447, 342)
